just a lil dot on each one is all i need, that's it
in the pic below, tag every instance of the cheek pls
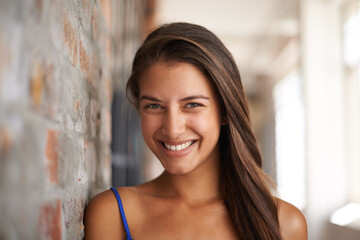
(149, 126)
(205, 125)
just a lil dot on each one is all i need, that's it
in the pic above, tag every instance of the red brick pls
(5, 139)
(84, 62)
(86, 6)
(73, 212)
(52, 155)
(94, 123)
(77, 105)
(95, 24)
(49, 73)
(107, 162)
(109, 50)
(51, 101)
(106, 125)
(90, 160)
(37, 84)
(71, 39)
(43, 93)
(106, 167)
(39, 7)
(105, 6)
(5, 56)
(95, 75)
(108, 89)
(50, 226)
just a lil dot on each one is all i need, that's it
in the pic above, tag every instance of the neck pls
(197, 186)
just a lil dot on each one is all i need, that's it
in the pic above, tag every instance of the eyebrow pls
(189, 98)
(194, 97)
(145, 97)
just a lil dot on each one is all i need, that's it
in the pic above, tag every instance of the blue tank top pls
(122, 213)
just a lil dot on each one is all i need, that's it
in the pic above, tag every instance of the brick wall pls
(58, 59)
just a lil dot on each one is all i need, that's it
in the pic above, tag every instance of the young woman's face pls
(180, 116)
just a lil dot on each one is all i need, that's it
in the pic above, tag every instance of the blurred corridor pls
(67, 130)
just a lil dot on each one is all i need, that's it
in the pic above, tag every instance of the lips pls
(178, 147)
(174, 147)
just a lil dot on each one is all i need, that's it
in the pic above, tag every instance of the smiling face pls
(180, 117)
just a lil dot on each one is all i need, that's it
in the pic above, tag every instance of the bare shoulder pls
(102, 217)
(292, 221)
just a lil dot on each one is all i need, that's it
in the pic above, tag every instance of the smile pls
(178, 147)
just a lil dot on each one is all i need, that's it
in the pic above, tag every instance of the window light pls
(346, 214)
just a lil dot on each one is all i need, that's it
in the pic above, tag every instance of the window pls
(351, 40)
(290, 139)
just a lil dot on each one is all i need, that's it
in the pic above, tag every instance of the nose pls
(174, 124)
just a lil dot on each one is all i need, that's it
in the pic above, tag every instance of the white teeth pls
(178, 147)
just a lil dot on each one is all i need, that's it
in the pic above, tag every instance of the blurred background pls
(67, 131)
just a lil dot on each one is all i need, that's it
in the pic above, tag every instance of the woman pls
(195, 119)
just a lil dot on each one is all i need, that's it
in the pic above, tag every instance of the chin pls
(178, 170)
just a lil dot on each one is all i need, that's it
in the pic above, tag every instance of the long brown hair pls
(250, 204)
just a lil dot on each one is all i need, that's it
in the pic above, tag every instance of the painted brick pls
(107, 165)
(105, 133)
(39, 8)
(56, 69)
(86, 6)
(5, 141)
(108, 88)
(104, 171)
(95, 72)
(43, 91)
(80, 124)
(89, 153)
(69, 124)
(84, 62)
(105, 6)
(52, 156)
(73, 213)
(52, 98)
(50, 221)
(50, 106)
(95, 24)
(71, 39)
(94, 121)
(5, 57)
(37, 84)
(77, 105)
(109, 50)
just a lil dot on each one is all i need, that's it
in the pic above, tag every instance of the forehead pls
(175, 78)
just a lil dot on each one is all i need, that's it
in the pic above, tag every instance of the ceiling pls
(253, 30)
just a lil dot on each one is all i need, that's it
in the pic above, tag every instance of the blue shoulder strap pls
(122, 212)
